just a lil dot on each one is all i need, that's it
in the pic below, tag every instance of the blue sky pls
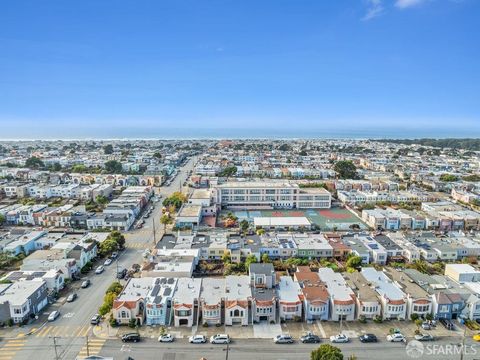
(105, 68)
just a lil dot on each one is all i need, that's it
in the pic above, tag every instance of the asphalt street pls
(265, 350)
(66, 337)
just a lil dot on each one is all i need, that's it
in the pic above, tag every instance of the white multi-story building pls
(271, 195)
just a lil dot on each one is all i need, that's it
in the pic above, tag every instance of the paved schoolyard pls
(326, 219)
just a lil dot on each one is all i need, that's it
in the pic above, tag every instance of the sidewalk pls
(105, 331)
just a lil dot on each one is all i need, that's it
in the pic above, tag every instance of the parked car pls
(283, 339)
(53, 315)
(396, 337)
(220, 339)
(166, 338)
(86, 284)
(424, 337)
(197, 339)
(310, 338)
(426, 326)
(72, 297)
(448, 324)
(95, 320)
(107, 262)
(114, 255)
(368, 338)
(99, 269)
(121, 273)
(476, 337)
(340, 338)
(131, 337)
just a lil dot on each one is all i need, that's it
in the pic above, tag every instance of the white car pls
(99, 269)
(220, 339)
(107, 262)
(197, 339)
(53, 315)
(397, 337)
(340, 338)
(166, 338)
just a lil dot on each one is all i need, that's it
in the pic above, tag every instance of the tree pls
(176, 199)
(108, 246)
(226, 258)
(79, 168)
(118, 237)
(34, 163)
(165, 220)
(354, 262)
(56, 166)
(251, 259)
(157, 155)
(115, 287)
(345, 169)
(326, 352)
(100, 199)
(244, 225)
(108, 149)
(2, 219)
(265, 258)
(228, 171)
(113, 167)
(448, 178)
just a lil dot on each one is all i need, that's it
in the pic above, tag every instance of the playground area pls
(325, 219)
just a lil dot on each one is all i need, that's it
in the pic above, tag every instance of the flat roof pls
(237, 287)
(357, 282)
(190, 210)
(288, 290)
(383, 285)
(281, 221)
(213, 290)
(187, 290)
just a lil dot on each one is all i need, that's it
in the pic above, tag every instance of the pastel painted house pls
(212, 298)
(419, 301)
(264, 295)
(394, 300)
(158, 303)
(186, 303)
(130, 304)
(368, 302)
(238, 297)
(289, 301)
(316, 299)
(447, 305)
(342, 298)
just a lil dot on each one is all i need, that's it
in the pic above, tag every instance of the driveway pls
(265, 330)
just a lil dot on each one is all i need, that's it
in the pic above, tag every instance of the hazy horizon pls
(185, 69)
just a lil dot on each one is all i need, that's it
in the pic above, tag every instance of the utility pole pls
(55, 347)
(154, 234)
(227, 350)
(462, 350)
(88, 349)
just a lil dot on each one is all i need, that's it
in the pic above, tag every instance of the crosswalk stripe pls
(44, 331)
